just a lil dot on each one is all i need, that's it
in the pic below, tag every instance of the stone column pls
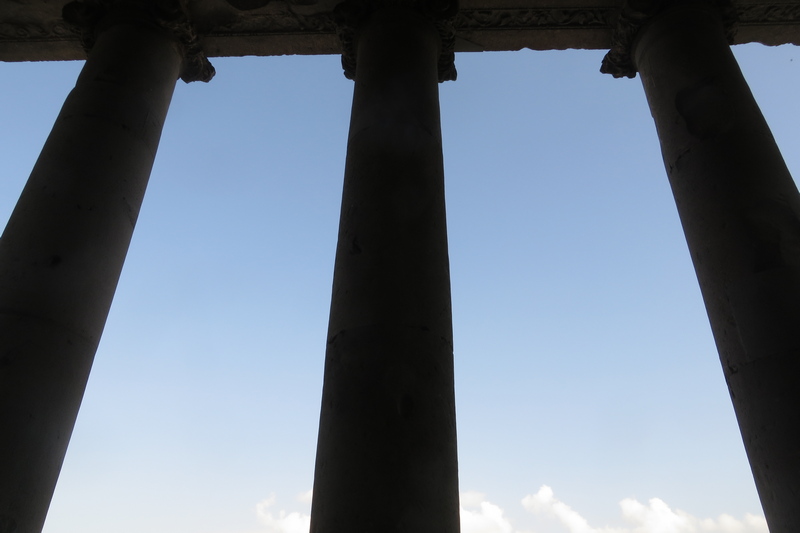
(65, 243)
(386, 455)
(740, 211)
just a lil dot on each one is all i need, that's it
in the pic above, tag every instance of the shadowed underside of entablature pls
(33, 30)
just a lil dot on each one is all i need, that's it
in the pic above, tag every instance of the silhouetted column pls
(64, 246)
(740, 211)
(386, 455)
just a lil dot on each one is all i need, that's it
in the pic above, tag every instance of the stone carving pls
(282, 19)
(54, 31)
(349, 15)
(502, 19)
(618, 61)
(283, 22)
(287, 21)
(85, 15)
(247, 5)
(761, 14)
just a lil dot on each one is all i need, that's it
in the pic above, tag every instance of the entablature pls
(33, 30)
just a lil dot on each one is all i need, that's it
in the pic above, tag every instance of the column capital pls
(351, 14)
(89, 18)
(635, 15)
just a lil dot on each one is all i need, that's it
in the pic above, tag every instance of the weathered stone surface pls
(62, 252)
(34, 31)
(740, 210)
(386, 453)
(86, 16)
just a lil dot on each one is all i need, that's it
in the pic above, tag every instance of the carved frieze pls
(280, 22)
(766, 14)
(492, 28)
(521, 19)
(52, 30)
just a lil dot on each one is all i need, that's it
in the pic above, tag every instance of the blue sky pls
(584, 359)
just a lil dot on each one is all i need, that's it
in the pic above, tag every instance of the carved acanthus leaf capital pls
(636, 14)
(88, 18)
(351, 14)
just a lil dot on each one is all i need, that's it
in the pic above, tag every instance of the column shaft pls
(740, 210)
(386, 455)
(62, 252)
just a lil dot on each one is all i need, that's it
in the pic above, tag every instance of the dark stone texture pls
(386, 455)
(351, 15)
(62, 252)
(88, 18)
(34, 31)
(635, 14)
(740, 210)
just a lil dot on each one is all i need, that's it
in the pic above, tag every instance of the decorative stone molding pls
(29, 30)
(247, 5)
(39, 33)
(763, 14)
(522, 19)
(89, 17)
(283, 22)
(635, 14)
(286, 21)
(351, 14)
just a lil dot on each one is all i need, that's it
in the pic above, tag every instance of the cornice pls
(46, 36)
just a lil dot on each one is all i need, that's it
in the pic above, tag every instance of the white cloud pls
(655, 517)
(472, 498)
(544, 502)
(479, 515)
(305, 497)
(284, 522)
(484, 517)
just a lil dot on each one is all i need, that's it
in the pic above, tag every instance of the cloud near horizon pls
(655, 517)
(478, 515)
(284, 522)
